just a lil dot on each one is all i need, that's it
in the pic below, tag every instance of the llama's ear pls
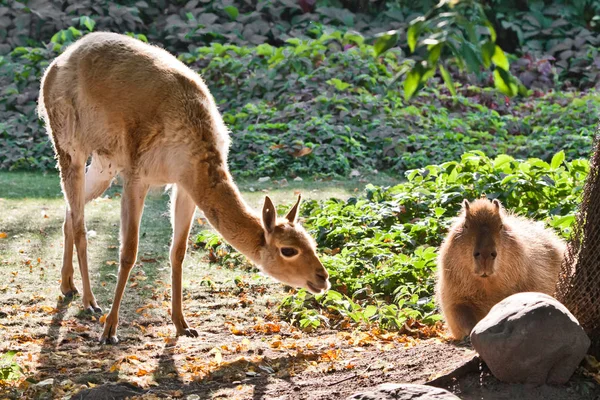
(269, 215)
(465, 205)
(292, 215)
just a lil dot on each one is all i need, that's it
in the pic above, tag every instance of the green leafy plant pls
(456, 32)
(9, 369)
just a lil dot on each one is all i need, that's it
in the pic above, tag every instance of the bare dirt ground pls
(244, 350)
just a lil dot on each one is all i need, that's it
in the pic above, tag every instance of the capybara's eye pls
(288, 251)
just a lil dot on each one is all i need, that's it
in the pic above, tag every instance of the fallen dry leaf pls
(3, 235)
(302, 152)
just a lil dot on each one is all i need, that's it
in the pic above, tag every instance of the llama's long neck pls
(229, 214)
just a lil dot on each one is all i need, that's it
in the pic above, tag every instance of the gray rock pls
(530, 338)
(404, 391)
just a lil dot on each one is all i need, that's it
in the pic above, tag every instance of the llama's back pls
(128, 98)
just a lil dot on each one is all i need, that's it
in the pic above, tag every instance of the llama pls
(489, 255)
(141, 113)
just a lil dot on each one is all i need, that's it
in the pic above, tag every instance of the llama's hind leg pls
(72, 169)
(97, 179)
(183, 208)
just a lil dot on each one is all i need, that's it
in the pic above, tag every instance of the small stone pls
(264, 179)
(194, 396)
(66, 383)
(404, 391)
(354, 173)
(298, 179)
(45, 383)
(283, 182)
(530, 338)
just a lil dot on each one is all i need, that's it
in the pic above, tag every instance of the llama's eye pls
(288, 251)
(501, 226)
(465, 226)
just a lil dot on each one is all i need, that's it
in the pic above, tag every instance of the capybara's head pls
(482, 227)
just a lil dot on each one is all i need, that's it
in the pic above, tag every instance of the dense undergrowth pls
(306, 90)
(380, 248)
(313, 108)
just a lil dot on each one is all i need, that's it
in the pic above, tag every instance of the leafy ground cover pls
(248, 347)
(308, 89)
(326, 107)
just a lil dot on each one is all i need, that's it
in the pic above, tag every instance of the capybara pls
(489, 255)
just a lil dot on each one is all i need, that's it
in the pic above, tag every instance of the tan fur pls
(528, 258)
(139, 112)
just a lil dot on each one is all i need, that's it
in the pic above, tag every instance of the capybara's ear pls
(465, 205)
(497, 204)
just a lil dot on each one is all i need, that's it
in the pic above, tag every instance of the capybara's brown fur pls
(489, 255)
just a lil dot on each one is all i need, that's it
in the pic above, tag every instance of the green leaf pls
(502, 160)
(469, 55)
(232, 11)
(504, 83)
(448, 80)
(490, 26)
(370, 310)
(385, 42)
(434, 53)
(339, 85)
(411, 83)
(557, 160)
(354, 37)
(87, 22)
(563, 222)
(412, 35)
(500, 59)
(487, 52)
(8, 356)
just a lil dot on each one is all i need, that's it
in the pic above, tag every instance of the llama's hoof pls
(189, 332)
(93, 310)
(109, 340)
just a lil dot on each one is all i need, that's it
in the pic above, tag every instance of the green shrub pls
(313, 108)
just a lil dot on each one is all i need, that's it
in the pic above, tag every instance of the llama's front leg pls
(183, 208)
(132, 206)
(72, 168)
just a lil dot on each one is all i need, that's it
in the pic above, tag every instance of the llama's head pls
(289, 253)
(483, 227)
